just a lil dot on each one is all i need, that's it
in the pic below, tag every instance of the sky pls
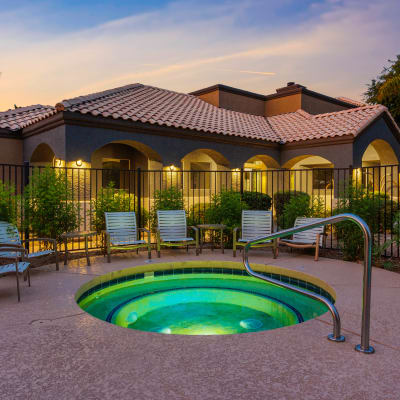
(55, 50)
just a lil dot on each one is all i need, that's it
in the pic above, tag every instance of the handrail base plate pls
(369, 350)
(333, 338)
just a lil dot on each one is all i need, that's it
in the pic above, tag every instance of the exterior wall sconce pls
(58, 162)
(172, 167)
(78, 163)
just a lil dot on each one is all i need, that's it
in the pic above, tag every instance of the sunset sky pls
(53, 50)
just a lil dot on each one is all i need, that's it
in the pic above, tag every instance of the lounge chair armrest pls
(14, 245)
(238, 228)
(144, 230)
(195, 228)
(21, 250)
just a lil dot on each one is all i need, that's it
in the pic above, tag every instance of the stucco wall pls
(11, 151)
(211, 97)
(82, 141)
(340, 155)
(55, 138)
(378, 130)
(282, 105)
(314, 105)
(245, 104)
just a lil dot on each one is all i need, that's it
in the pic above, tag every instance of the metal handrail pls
(364, 347)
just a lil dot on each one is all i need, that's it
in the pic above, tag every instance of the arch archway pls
(43, 155)
(375, 172)
(257, 176)
(379, 152)
(309, 173)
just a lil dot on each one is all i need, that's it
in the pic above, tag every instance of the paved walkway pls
(51, 349)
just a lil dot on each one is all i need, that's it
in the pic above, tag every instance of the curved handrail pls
(364, 347)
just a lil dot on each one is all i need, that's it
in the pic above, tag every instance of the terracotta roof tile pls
(299, 125)
(167, 108)
(21, 117)
(162, 107)
(351, 101)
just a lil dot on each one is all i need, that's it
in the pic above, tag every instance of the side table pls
(211, 227)
(74, 235)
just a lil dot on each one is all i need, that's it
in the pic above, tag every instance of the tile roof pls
(147, 104)
(300, 125)
(21, 117)
(167, 108)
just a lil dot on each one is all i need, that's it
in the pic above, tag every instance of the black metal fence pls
(198, 188)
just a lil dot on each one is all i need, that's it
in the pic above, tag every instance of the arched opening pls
(43, 155)
(202, 164)
(117, 163)
(257, 176)
(380, 169)
(379, 153)
(311, 174)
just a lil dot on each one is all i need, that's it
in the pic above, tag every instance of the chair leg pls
(316, 252)
(19, 296)
(158, 253)
(29, 277)
(108, 254)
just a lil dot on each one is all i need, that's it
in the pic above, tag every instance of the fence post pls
(139, 197)
(241, 181)
(26, 181)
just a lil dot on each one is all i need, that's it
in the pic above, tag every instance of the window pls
(116, 171)
(323, 178)
(200, 175)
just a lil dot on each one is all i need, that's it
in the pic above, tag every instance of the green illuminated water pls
(200, 304)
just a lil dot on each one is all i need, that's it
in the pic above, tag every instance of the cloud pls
(337, 48)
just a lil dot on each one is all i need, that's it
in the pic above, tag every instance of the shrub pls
(110, 199)
(8, 203)
(197, 214)
(49, 207)
(282, 198)
(257, 201)
(297, 206)
(370, 207)
(226, 208)
(167, 199)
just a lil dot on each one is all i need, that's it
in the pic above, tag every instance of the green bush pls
(299, 206)
(110, 199)
(9, 203)
(49, 207)
(282, 198)
(197, 214)
(167, 199)
(369, 206)
(257, 201)
(226, 208)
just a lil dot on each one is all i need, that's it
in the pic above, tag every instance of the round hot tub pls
(201, 298)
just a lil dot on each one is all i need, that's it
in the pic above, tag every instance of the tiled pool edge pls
(292, 277)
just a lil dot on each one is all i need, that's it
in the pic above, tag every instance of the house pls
(218, 128)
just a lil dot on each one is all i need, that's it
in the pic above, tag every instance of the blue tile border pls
(227, 271)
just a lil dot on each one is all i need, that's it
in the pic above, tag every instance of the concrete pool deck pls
(51, 349)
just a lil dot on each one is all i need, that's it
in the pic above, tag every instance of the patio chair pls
(255, 224)
(122, 233)
(307, 239)
(172, 230)
(9, 235)
(18, 267)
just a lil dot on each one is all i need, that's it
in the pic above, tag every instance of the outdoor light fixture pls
(172, 167)
(58, 162)
(78, 163)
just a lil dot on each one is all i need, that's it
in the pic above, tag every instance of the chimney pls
(289, 87)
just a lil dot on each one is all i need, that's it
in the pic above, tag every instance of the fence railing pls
(199, 186)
